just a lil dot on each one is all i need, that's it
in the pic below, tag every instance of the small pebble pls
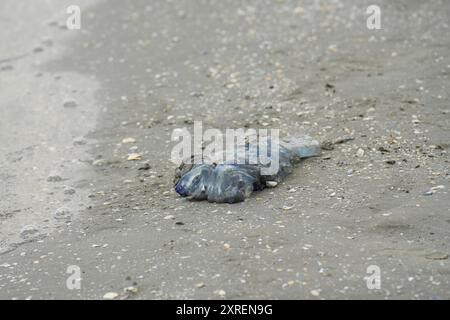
(29, 232)
(69, 190)
(131, 289)
(315, 292)
(62, 214)
(110, 295)
(220, 292)
(271, 184)
(128, 140)
(134, 157)
(70, 103)
(54, 178)
(360, 153)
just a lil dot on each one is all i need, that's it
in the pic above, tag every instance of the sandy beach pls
(74, 105)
